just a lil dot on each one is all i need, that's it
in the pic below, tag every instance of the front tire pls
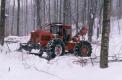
(55, 48)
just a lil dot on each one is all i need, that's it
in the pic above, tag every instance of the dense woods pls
(20, 17)
(23, 16)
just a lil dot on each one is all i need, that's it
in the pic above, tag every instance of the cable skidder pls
(58, 41)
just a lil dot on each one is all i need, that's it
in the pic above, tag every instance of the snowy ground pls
(21, 66)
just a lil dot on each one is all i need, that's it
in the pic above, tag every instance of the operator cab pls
(61, 30)
(56, 28)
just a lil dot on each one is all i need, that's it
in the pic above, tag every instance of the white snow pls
(21, 66)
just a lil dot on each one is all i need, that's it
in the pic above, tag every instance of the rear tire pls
(83, 49)
(55, 48)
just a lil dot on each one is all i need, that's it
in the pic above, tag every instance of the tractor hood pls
(41, 37)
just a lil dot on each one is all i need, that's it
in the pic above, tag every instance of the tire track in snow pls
(42, 71)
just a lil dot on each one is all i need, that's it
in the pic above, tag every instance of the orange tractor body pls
(41, 37)
(58, 40)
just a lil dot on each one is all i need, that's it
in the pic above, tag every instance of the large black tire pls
(53, 46)
(83, 49)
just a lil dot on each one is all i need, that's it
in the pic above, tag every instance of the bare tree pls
(44, 7)
(55, 10)
(2, 21)
(92, 15)
(34, 14)
(49, 13)
(84, 11)
(38, 3)
(119, 14)
(66, 12)
(60, 12)
(26, 17)
(100, 18)
(18, 17)
(13, 14)
(105, 34)
(77, 13)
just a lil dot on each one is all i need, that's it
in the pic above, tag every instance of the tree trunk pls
(49, 13)
(60, 12)
(44, 11)
(99, 29)
(105, 34)
(92, 16)
(84, 11)
(66, 12)
(77, 13)
(55, 11)
(2, 22)
(18, 17)
(13, 14)
(38, 2)
(34, 15)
